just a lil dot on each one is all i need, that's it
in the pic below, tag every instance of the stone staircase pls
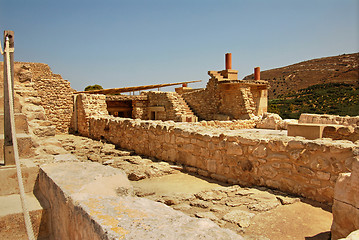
(216, 74)
(22, 131)
(12, 225)
(183, 111)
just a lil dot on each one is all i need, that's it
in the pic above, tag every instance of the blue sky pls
(141, 42)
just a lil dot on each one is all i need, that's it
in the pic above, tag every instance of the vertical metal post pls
(9, 158)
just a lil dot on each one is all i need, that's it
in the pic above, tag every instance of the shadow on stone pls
(320, 236)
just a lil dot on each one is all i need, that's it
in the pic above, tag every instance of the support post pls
(257, 73)
(9, 158)
(228, 61)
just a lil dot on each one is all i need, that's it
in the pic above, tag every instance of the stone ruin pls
(224, 98)
(215, 132)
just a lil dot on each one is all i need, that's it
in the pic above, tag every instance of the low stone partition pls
(328, 119)
(86, 105)
(331, 126)
(294, 165)
(339, 132)
(92, 201)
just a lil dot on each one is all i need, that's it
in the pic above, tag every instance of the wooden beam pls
(132, 89)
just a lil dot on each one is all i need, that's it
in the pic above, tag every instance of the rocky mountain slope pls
(337, 69)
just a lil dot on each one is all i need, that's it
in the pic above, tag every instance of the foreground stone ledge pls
(91, 201)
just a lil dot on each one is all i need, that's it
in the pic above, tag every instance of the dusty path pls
(255, 213)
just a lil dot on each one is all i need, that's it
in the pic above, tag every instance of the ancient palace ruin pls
(78, 186)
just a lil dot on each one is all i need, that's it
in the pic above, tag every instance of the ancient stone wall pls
(227, 99)
(339, 132)
(87, 105)
(139, 109)
(168, 106)
(236, 101)
(55, 93)
(235, 124)
(294, 165)
(201, 103)
(329, 119)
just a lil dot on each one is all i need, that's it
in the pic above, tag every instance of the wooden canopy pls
(133, 89)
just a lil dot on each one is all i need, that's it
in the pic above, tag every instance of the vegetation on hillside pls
(93, 87)
(336, 69)
(331, 98)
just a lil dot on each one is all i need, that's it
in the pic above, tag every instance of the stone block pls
(309, 131)
(20, 123)
(24, 142)
(91, 201)
(346, 203)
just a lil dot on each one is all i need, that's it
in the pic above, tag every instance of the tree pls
(93, 87)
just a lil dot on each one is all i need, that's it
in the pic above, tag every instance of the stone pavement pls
(231, 207)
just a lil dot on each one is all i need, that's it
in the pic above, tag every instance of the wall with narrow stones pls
(201, 103)
(234, 124)
(87, 105)
(139, 109)
(225, 99)
(294, 165)
(175, 108)
(56, 93)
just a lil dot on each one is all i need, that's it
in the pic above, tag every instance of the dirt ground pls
(255, 213)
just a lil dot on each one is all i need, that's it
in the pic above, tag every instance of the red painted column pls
(228, 61)
(257, 73)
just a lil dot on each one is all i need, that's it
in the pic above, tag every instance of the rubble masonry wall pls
(291, 164)
(87, 105)
(55, 92)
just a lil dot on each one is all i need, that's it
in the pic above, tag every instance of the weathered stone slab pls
(92, 201)
(242, 218)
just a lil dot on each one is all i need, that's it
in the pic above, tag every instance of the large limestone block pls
(346, 203)
(270, 121)
(92, 201)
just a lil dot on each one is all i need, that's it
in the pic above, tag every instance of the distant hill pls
(338, 69)
(329, 98)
